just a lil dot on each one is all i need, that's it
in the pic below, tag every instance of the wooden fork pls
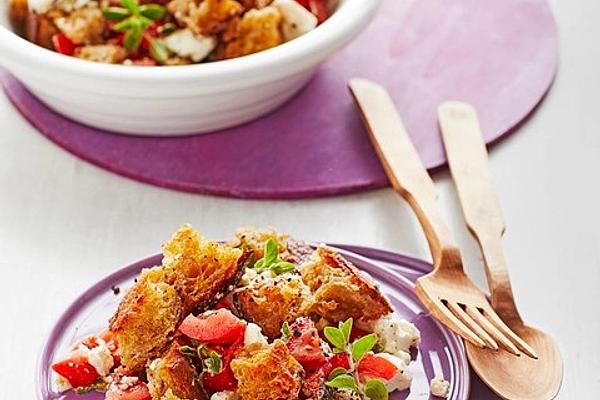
(447, 292)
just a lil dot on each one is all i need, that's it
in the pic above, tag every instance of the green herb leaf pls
(132, 6)
(362, 346)
(376, 390)
(144, 22)
(346, 328)
(271, 252)
(337, 372)
(124, 25)
(282, 267)
(153, 11)
(343, 381)
(188, 351)
(133, 36)
(213, 363)
(260, 264)
(115, 13)
(159, 51)
(335, 337)
(286, 331)
(166, 30)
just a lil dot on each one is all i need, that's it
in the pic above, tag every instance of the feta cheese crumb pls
(402, 379)
(40, 6)
(253, 334)
(440, 387)
(396, 335)
(62, 384)
(101, 359)
(297, 20)
(184, 43)
(227, 395)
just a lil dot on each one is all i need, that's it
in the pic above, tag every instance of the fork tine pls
(516, 339)
(470, 323)
(504, 341)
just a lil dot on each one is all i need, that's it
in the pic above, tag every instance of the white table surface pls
(65, 223)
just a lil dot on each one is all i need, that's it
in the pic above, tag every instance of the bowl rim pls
(346, 21)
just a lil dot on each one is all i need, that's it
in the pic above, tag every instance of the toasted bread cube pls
(269, 373)
(39, 29)
(340, 290)
(146, 318)
(256, 31)
(174, 373)
(18, 12)
(82, 26)
(104, 53)
(269, 303)
(208, 17)
(290, 250)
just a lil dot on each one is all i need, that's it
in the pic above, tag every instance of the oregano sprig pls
(210, 359)
(271, 261)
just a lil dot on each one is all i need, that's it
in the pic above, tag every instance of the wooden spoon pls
(510, 377)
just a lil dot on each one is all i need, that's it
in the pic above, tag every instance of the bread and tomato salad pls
(164, 32)
(263, 317)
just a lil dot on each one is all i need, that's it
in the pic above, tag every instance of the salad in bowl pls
(261, 317)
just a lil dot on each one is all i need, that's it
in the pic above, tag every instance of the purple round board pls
(440, 351)
(499, 55)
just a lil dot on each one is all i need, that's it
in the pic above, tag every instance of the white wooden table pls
(65, 223)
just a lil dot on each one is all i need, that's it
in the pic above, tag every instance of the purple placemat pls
(499, 55)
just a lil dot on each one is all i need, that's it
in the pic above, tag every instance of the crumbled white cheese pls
(62, 384)
(101, 359)
(296, 20)
(184, 43)
(253, 335)
(440, 387)
(39, 6)
(396, 334)
(154, 364)
(402, 379)
(224, 396)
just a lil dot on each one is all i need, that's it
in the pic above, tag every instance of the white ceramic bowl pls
(180, 99)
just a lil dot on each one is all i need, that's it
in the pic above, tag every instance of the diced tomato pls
(138, 391)
(225, 303)
(304, 3)
(63, 44)
(144, 62)
(117, 39)
(76, 369)
(374, 366)
(305, 344)
(224, 380)
(320, 9)
(341, 360)
(217, 327)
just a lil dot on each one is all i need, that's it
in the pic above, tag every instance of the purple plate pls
(440, 351)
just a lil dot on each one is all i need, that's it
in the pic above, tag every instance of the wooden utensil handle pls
(401, 162)
(468, 159)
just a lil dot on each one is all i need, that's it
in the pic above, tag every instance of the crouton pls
(82, 26)
(290, 250)
(207, 18)
(195, 274)
(18, 12)
(270, 302)
(248, 4)
(267, 373)
(176, 373)
(105, 53)
(39, 29)
(256, 31)
(340, 290)
(146, 318)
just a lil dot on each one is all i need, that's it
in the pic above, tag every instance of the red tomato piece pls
(305, 344)
(76, 369)
(304, 3)
(374, 366)
(320, 9)
(217, 327)
(138, 391)
(224, 380)
(341, 360)
(225, 303)
(63, 44)
(144, 62)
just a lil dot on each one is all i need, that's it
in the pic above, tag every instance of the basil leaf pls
(153, 11)
(335, 337)
(133, 37)
(376, 390)
(159, 50)
(337, 372)
(282, 267)
(131, 5)
(271, 252)
(362, 346)
(115, 13)
(346, 328)
(344, 381)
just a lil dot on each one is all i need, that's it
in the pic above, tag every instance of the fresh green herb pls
(271, 260)
(346, 328)
(286, 331)
(344, 381)
(337, 372)
(133, 20)
(188, 351)
(336, 338)
(362, 346)
(376, 390)
(213, 363)
(167, 29)
(159, 50)
(210, 359)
